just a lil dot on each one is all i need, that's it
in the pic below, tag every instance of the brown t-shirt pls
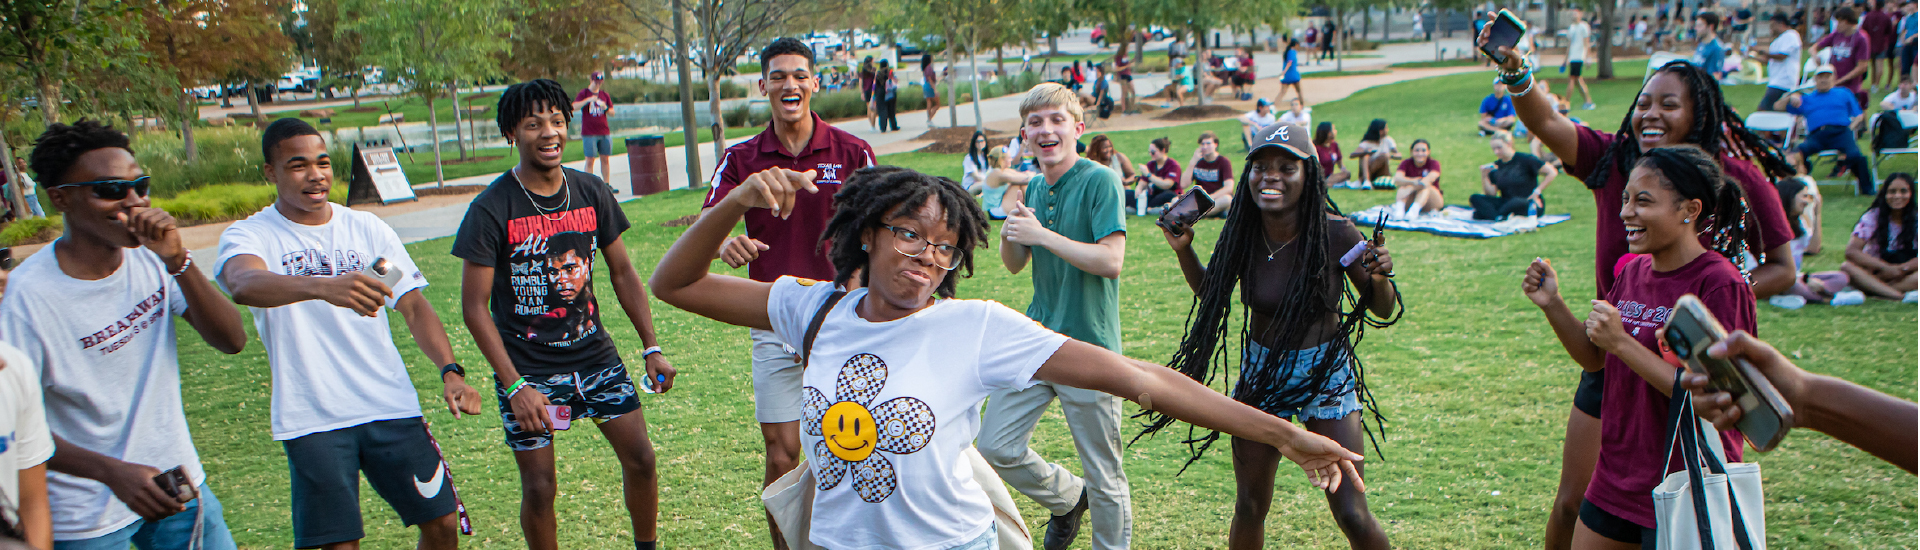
(1262, 289)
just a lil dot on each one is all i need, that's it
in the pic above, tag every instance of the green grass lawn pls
(1474, 387)
(419, 167)
(413, 107)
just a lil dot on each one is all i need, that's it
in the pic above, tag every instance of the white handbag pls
(790, 501)
(1711, 504)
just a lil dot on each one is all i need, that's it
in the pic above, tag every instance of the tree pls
(199, 41)
(555, 38)
(336, 51)
(432, 43)
(43, 38)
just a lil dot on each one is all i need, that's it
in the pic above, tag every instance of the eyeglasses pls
(944, 255)
(114, 190)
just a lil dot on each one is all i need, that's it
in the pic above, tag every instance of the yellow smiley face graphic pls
(849, 431)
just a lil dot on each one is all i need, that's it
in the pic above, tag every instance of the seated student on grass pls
(1159, 179)
(901, 352)
(1260, 117)
(1280, 252)
(1673, 195)
(1831, 113)
(1512, 184)
(1182, 76)
(1326, 144)
(1211, 171)
(1803, 215)
(1880, 255)
(1880, 424)
(1496, 112)
(1297, 114)
(1101, 150)
(1376, 152)
(1417, 183)
(974, 166)
(1000, 182)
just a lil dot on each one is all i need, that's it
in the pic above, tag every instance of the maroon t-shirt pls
(1848, 51)
(1211, 175)
(1169, 170)
(1610, 234)
(1420, 171)
(793, 244)
(1879, 29)
(1329, 156)
(1633, 421)
(593, 119)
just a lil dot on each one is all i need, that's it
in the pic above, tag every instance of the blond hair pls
(1051, 94)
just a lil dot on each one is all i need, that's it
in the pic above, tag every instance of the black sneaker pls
(1062, 529)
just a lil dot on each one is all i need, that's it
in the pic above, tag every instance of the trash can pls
(647, 164)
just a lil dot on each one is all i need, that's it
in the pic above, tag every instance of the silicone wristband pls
(515, 388)
(651, 351)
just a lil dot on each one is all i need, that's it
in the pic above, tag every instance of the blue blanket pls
(1456, 221)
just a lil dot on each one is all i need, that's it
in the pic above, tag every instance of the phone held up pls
(1505, 30)
(1764, 416)
(1185, 212)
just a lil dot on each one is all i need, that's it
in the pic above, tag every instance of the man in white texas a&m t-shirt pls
(94, 312)
(342, 400)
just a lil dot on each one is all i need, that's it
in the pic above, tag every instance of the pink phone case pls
(560, 417)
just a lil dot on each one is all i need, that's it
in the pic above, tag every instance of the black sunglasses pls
(114, 190)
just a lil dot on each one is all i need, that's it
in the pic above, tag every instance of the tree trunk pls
(953, 64)
(355, 91)
(999, 65)
(433, 134)
(973, 59)
(1053, 44)
(459, 134)
(49, 97)
(1338, 41)
(16, 193)
(1606, 9)
(1553, 17)
(719, 128)
(690, 137)
(1366, 22)
(187, 109)
(253, 101)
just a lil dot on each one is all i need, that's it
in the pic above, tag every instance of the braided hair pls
(1304, 302)
(528, 99)
(1713, 122)
(1695, 175)
(876, 193)
(1882, 240)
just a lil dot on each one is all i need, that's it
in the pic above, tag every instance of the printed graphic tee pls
(109, 372)
(542, 258)
(332, 368)
(24, 439)
(889, 407)
(1211, 175)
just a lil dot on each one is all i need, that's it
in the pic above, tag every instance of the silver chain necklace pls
(1274, 251)
(564, 208)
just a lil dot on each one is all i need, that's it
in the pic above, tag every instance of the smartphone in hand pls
(559, 417)
(1504, 31)
(1765, 417)
(175, 484)
(1185, 212)
(386, 271)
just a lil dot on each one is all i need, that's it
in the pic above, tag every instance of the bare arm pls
(476, 290)
(35, 514)
(683, 280)
(431, 335)
(131, 483)
(1776, 274)
(1538, 112)
(1161, 389)
(633, 301)
(1542, 286)
(1881, 425)
(1857, 253)
(254, 285)
(1547, 174)
(1486, 181)
(1103, 257)
(1190, 267)
(215, 318)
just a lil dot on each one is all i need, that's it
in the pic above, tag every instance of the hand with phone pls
(1501, 40)
(134, 485)
(1875, 422)
(355, 290)
(530, 409)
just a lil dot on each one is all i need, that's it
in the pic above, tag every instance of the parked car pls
(931, 43)
(864, 39)
(824, 42)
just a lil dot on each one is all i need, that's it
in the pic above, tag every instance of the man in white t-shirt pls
(1296, 114)
(1260, 117)
(342, 400)
(25, 446)
(1578, 35)
(1783, 61)
(1902, 98)
(109, 369)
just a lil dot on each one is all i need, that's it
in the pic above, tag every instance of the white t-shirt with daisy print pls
(890, 407)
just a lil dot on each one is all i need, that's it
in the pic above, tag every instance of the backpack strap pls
(813, 327)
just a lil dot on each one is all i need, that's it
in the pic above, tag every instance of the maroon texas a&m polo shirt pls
(793, 244)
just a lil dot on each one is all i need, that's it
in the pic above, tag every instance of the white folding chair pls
(1774, 121)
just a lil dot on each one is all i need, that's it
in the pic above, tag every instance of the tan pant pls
(1094, 418)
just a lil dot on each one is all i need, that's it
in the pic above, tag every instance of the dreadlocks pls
(528, 99)
(1304, 302)
(1713, 120)
(874, 193)
(1694, 175)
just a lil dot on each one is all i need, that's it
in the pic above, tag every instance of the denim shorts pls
(601, 394)
(597, 146)
(1335, 399)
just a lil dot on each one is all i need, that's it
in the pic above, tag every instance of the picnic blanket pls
(1457, 221)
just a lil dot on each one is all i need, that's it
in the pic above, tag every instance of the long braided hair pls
(873, 193)
(1714, 122)
(1695, 175)
(1304, 302)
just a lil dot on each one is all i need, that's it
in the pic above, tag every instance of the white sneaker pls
(1787, 301)
(1849, 298)
(1911, 297)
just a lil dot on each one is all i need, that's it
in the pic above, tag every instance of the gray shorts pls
(597, 146)
(777, 374)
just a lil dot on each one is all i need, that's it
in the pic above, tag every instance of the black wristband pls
(453, 368)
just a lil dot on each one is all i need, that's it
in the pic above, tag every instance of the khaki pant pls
(1094, 418)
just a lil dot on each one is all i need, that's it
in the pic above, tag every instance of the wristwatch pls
(453, 368)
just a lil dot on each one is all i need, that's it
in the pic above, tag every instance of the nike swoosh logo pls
(431, 488)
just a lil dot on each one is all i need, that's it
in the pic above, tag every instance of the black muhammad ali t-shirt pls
(542, 259)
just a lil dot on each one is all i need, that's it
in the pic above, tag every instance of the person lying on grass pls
(898, 369)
